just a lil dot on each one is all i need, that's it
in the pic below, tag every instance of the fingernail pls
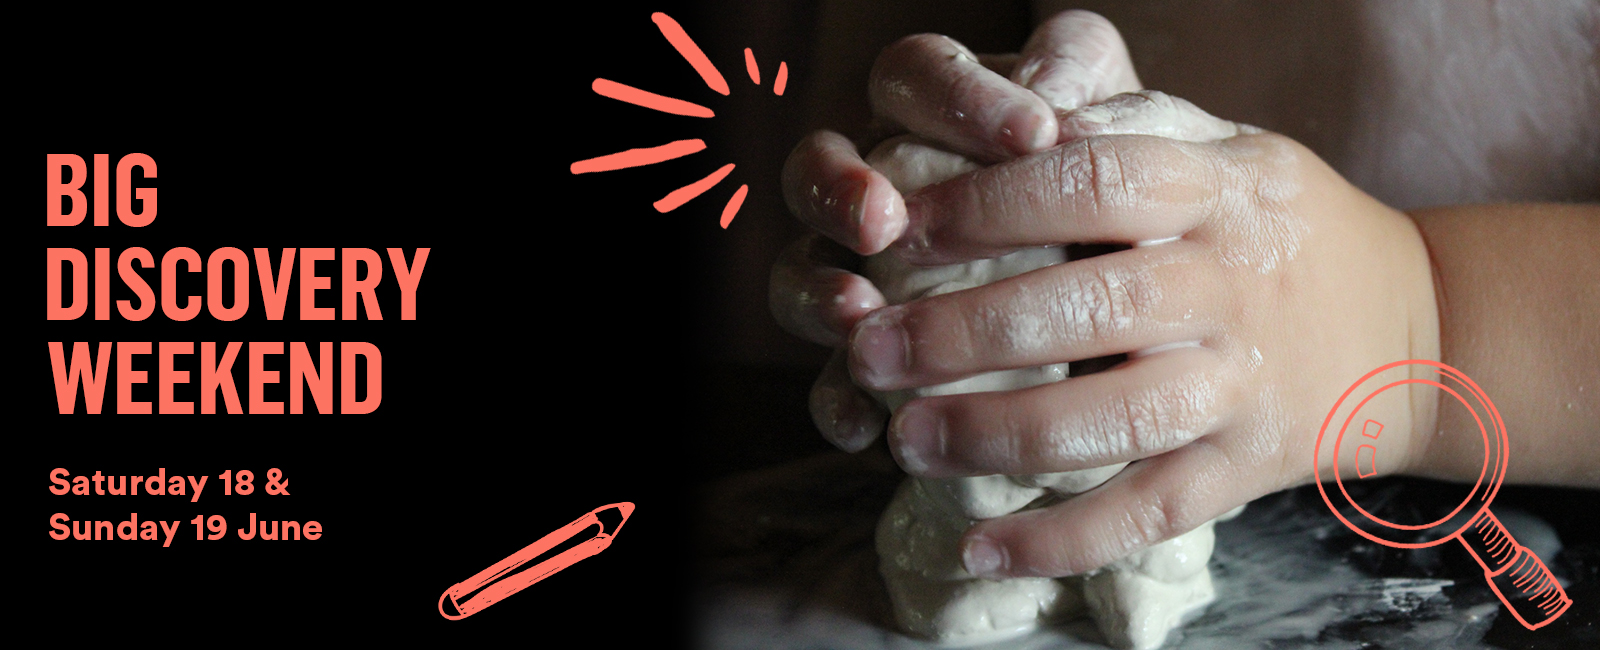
(877, 226)
(847, 421)
(825, 412)
(913, 238)
(857, 194)
(1025, 131)
(851, 301)
(1025, 70)
(920, 439)
(861, 425)
(880, 348)
(984, 558)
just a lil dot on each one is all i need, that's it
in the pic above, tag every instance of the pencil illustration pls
(500, 581)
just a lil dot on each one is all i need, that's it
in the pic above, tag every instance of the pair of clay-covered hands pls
(1266, 285)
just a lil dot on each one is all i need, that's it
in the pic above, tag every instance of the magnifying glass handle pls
(1516, 575)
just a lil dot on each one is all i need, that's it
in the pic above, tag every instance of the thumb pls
(1148, 112)
(1075, 58)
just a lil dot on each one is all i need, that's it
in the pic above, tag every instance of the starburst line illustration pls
(714, 80)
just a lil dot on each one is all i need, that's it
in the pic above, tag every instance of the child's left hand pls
(1290, 282)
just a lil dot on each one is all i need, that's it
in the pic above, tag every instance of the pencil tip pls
(447, 607)
(625, 509)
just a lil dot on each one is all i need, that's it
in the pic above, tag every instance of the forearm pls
(1518, 291)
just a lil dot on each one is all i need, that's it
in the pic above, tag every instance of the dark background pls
(551, 370)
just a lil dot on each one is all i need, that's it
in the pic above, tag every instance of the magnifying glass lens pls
(1356, 429)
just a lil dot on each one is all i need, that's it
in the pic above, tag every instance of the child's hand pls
(932, 86)
(1281, 285)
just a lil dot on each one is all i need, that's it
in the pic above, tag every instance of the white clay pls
(1134, 610)
(1138, 599)
(1174, 560)
(934, 596)
(1135, 601)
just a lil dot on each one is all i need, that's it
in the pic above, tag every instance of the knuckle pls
(1266, 168)
(1264, 446)
(1155, 518)
(1104, 303)
(1141, 422)
(1075, 179)
(1077, 302)
(1128, 297)
(1153, 420)
(1105, 298)
(1092, 174)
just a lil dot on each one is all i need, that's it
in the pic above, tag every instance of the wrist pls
(1424, 303)
(1519, 297)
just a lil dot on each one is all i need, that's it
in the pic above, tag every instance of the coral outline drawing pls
(690, 52)
(1518, 577)
(502, 580)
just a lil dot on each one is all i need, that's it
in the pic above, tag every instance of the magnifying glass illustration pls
(1517, 576)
